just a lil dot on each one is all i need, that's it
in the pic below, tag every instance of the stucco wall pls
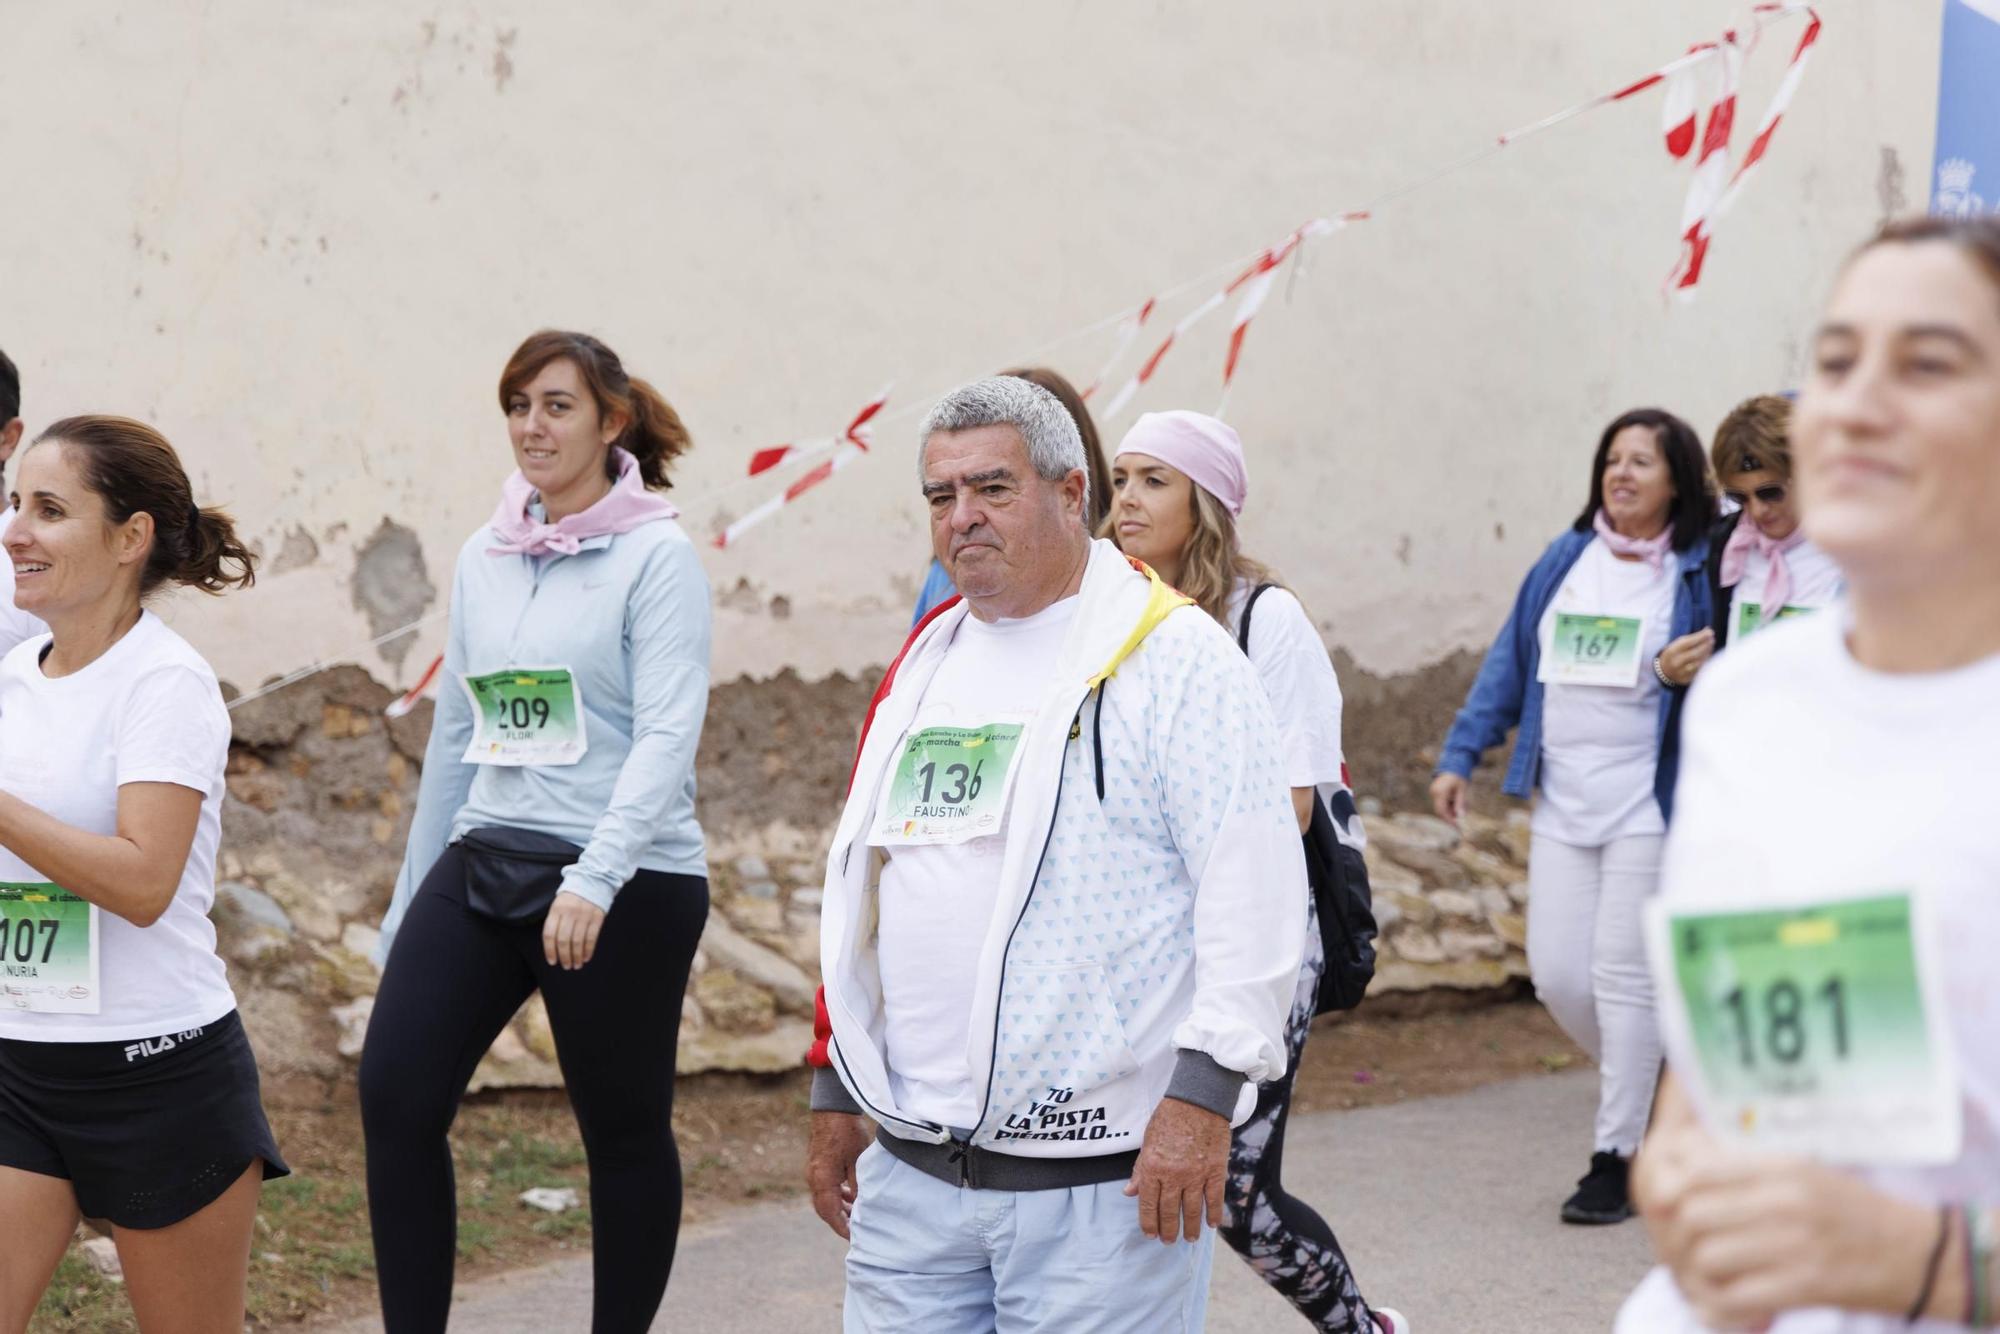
(303, 239)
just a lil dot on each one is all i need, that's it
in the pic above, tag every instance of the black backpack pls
(1339, 878)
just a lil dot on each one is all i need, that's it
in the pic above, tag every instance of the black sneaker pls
(1603, 1195)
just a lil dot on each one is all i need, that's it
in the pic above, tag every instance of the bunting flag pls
(1128, 330)
(1700, 229)
(410, 698)
(857, 432)
(833, 453)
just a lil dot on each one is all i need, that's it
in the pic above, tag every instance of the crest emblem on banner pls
(1955, 198)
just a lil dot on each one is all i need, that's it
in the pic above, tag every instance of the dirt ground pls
(741, 1138)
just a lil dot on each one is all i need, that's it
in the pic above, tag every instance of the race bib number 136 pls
(949, 785)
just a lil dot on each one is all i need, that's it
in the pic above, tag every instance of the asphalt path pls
(1446, 1208)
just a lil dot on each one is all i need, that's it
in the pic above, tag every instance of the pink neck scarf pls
(626, 506)
(1749, 537)
(1652, 550)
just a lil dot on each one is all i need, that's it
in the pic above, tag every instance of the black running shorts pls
(147, 1132)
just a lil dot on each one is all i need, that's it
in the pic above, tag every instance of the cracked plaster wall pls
(304, 239)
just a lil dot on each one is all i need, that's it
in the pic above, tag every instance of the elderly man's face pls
(1004, 533)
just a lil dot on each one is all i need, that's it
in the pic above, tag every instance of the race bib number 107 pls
(1815, 1029)
(48, 951)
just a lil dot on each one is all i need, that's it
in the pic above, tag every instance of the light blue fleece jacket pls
(629, 615)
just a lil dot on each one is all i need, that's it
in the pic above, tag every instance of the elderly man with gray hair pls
(1064, 915)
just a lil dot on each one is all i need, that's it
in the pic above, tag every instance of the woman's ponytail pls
(655, 437)
(212, 546)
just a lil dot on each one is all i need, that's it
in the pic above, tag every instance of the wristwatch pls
(1660, 673)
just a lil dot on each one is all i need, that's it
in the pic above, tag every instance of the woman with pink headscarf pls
(1178, 483)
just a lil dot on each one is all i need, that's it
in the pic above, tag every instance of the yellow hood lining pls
(1161, 601)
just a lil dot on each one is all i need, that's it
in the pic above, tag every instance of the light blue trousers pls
(930, 1258)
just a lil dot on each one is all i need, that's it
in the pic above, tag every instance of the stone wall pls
(322, 787)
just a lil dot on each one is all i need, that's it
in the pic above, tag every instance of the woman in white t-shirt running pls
(1178, 483)
(1833, 1167)
(1583, 669)
(128, 1091)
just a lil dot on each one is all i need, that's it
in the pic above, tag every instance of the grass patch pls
(312, 1251)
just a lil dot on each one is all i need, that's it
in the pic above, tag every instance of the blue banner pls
(1966, 179)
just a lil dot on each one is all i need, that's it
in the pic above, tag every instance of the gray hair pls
(1055, 448)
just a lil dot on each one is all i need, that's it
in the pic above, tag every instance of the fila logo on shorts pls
(159, 1046)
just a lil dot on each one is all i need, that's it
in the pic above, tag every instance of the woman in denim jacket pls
(1615, 611)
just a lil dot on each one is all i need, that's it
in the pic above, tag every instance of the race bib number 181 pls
(48, 951)
(1814, 1029)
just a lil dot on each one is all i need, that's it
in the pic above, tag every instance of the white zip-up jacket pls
(1151, 915)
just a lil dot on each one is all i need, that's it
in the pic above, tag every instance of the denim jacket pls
(1506, 693)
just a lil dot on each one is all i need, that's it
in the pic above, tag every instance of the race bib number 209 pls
(525, 716)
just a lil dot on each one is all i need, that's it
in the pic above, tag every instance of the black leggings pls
(453, 981)
(1281, 1237)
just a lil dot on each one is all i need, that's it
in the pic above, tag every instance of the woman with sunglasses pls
(1834, 1168)
(1765, 568)
(1761, 567)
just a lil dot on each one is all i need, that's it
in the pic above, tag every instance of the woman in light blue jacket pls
(1609, 621)
(554, 846)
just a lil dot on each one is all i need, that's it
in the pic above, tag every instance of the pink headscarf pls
(1749, 537)
(1207, 450)
(626, 506)
(1652, 550)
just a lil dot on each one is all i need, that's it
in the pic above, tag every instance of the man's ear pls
(10, 439)
(1076, 494)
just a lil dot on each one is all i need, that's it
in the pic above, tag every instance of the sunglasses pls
(1773, 494)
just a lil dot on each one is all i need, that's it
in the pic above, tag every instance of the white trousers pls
(1587, 953)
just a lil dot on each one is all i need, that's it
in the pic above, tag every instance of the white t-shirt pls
(1804, 777)
(1600, 744)
(1816, 582)
(937, 901)
(147, 711)
(1298, 676)
(15, 624)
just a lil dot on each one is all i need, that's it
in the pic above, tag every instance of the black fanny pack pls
(513, 875)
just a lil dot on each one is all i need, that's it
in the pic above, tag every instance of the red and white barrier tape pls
(1688, 272)
(1128, 330)
(1700, 108)
(409, 699)
(1723, 73)
(857, 431)
(834, 453)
